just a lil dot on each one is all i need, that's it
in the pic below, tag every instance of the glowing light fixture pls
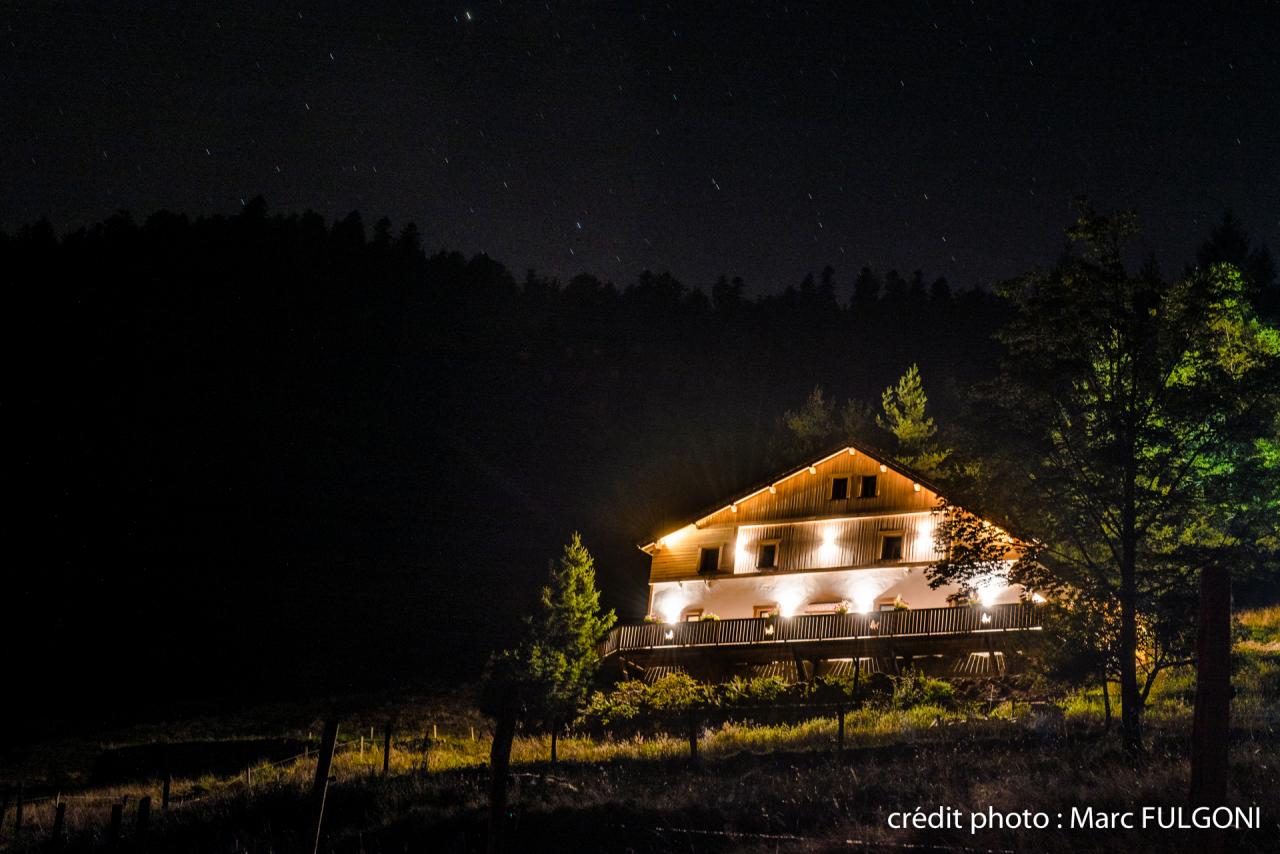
(768, 631)
(669, 634)
(883, 468)
(1038, 599)
(853, 452)
(789, 601)
(986, 618)
(828, 551)
(813, 470)
(915, 487)
(671, 604)
(733, 508)
(773, 490)
(674, 537)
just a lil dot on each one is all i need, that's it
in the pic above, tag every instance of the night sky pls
(762, 141)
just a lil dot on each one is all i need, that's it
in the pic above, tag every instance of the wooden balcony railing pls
(823, 627)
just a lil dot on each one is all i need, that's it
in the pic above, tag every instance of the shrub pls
(913, 688)
(879, 687)
(678, 692)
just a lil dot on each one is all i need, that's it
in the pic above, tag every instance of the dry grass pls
(756, 779)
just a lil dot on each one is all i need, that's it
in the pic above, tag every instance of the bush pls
(633, 706)
(913, 689)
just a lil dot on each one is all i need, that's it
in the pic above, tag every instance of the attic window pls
(839, 488)
(709, 560)
(868, 487)
(767, 555)
(891, 547)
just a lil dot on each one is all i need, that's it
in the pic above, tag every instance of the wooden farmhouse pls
(814, 571)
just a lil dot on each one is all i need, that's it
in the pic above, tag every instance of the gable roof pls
(870, 452)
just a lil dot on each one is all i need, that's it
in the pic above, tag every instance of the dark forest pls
(268, 455)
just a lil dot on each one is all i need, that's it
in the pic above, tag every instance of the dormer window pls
(839, 488)
(868, 487)
(708, 560)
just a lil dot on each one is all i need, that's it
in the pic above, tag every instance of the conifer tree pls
(904, 416)
(562, 653)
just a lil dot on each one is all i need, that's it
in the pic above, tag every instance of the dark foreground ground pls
(792, 801)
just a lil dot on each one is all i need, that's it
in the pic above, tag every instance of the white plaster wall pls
(734, 596)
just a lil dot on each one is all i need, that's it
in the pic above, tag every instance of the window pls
(891, 547)
(693, 615)
(767, 555)
(839, 488)
(764, 610)
(708, 560)
(868, 488)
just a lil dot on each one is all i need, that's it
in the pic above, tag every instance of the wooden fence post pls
(386, 751)
(321, 787)
(504, 730)
(59, 822)
(113, 830)
(144, 814)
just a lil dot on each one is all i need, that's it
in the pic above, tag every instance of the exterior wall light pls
(986, 618)
(768, 631)
(874, 625)
(669, 634)
(883, 468)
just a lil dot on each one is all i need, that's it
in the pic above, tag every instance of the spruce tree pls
(562, 653)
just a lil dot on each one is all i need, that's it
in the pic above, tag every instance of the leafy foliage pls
(1127, 452)
(633, 706)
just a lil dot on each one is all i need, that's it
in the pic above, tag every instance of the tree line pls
(283, 455)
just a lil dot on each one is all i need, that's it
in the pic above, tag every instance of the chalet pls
(819, 570)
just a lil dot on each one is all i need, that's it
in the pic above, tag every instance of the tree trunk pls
(1130, 701)
(693, 737)
(504, 732)
(554, 728)
(1210, 728)
(1106, 703)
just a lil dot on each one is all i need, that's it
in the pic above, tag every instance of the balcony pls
(762, 632)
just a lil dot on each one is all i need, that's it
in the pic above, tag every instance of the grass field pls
(775, 787)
